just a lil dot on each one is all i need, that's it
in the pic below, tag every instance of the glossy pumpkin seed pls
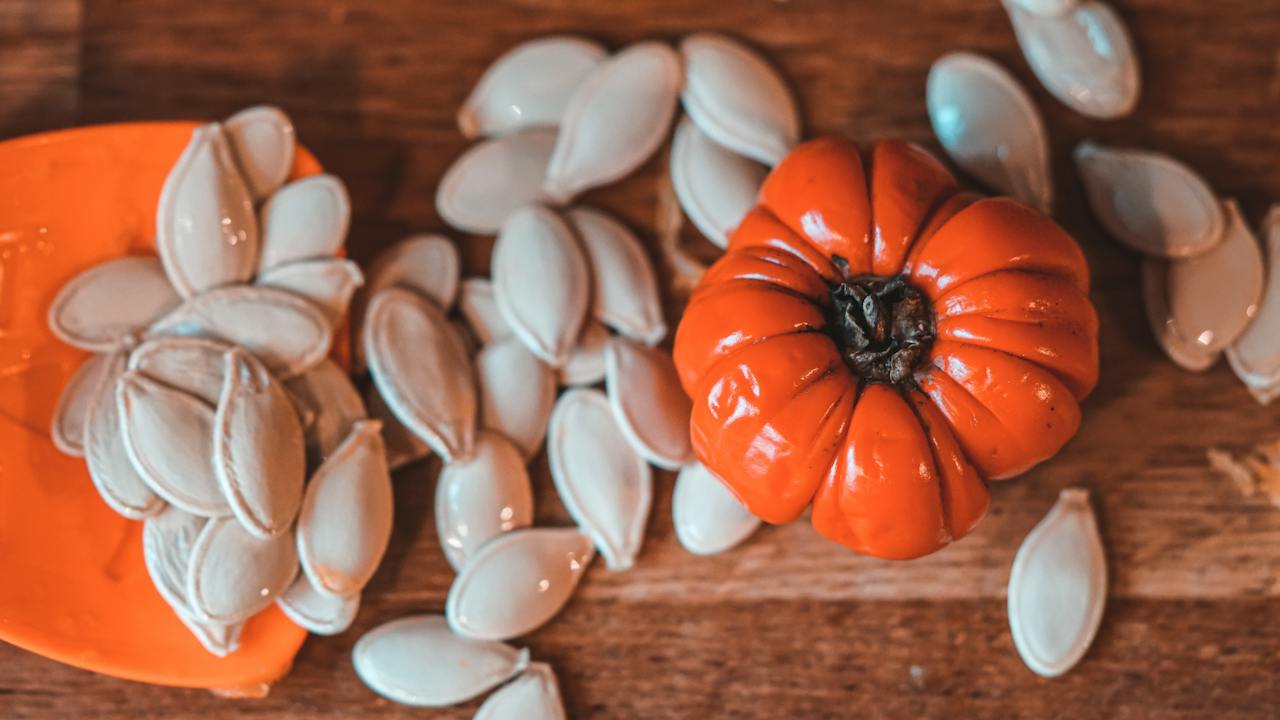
(422, 370)
(258, 453)
(101, 307)
(517, 582)
(328, 283)
(419, 661)
(648, 403)
(168, 539)
(72, 411)
(708, 519)
(528, 86)
(315, 611)
(517, 391)
(625, 286)
(604, 484)
(168, 435)
(541, 282)
(716, 187)
(481, 498)
(1058, 587)
(345, 522)
(191, 364)
(737, 98)
(1083, 56)
(289, 334)
(403, 447)
(106, 458)
(218, 639)
(1184, 351)
(335, 403)
(585, 365)
(990, 127)
(1255, 355)
(206, 228)
(427, 264)
(234, 575)
(479, 308)
(1048, 8)
(1150, 202)
(535, 695)
(304, 220)
(262, 141)
(493, 178)
(616, 118)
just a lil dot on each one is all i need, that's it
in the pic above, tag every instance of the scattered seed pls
(315, 611)
(328, 283)
(708, 519)
(492, 179)
(517, 391)
(262, 141)
(535, 695)
(648, 403)
(191, 364)
(480, 309)
(304, 220)
(481, 498)
(168, 539)
(335, 404)
(72, 411)
(403, 447)
(101, 307)
(625, 286)
(427, 264)
(585, 365)
(716, 187)
(234, 575)
(106, 458)
(1255, 355)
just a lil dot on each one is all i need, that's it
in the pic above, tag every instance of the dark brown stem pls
(884, 326)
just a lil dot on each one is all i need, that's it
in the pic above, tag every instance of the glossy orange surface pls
(75, 588)
(891, 470)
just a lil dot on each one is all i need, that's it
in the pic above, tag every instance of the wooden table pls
(787, 625)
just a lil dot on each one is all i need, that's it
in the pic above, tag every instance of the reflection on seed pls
(233, 574)
(481, 498)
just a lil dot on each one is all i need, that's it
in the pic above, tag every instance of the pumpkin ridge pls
(783, 244)
(1068, 381)
(1016, 440)
(924, 224)
(943, 499)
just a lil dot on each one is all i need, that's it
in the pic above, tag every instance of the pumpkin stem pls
(883, 326)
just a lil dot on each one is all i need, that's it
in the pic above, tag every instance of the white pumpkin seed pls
(403, 447)
(303, 220)
(616, 118)
(219, 639)
(535, 695)
(493, 178)
(233, 575)
(1058, 587)
(541, 281)
(716, 187)
(345, 522)
(315, 611)
(481, 498)
(604, 484)
(168, 539)
(262, 140)
(284, 331)
(528, 86)
(328, 283)
(1184, 351)
(480, 309)
(708, 519)
(427, 264)
(206, 229)
(168, 435)
(191, 364)
(647, 401)
(1083, 56)
(668, 226)
(990, 127)
(419, 661)
(336, 405)
(625, 287)
(422, 370)
(1049, 8)
(101, 307)
(737, 98)
(110, 468)
(259, 457)
(517, 582)
(1150, 202)
(585, 365)
(72, 411)
(1255, 355)
(517, 391)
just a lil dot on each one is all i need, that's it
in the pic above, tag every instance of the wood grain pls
(787, 624)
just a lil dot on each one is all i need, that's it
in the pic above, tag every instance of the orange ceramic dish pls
(879, 344)
(75, 588)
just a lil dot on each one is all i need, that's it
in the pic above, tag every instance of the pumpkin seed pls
(206, 229)
(1058, 587)
(419, 661)
(315, 611)
(259, 457)
(1150, 202)
(403, 447)
(585, 365)
(648, 403)
(427, 264)
(517, 391)
(219, 639)
(463, 332)
(1049, 8)
(737, 98)
(625, 288)
(1212, 296)
(480, 309)
(168, 539)
(481, 498)
(422, 370)
(603, 483)
(615, 119)
(1255, 355)
(72, 411)
(337, 406)
(541, 281)
(708, 519)
(535, 695)
(234, 575)
(528, 86)
(191, 364)
(303, 220)
(517, 582)
(1181, 349)
(99, 308)
(106, 458)
(284, 331)
(328, 283)
(345, 522)
(168, 435)
(493, 178)
(990, 127)
(262, 141)
(716, 188)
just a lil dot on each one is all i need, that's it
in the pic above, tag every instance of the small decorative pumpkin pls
(882, 343)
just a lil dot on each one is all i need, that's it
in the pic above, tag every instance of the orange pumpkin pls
(880, 344)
